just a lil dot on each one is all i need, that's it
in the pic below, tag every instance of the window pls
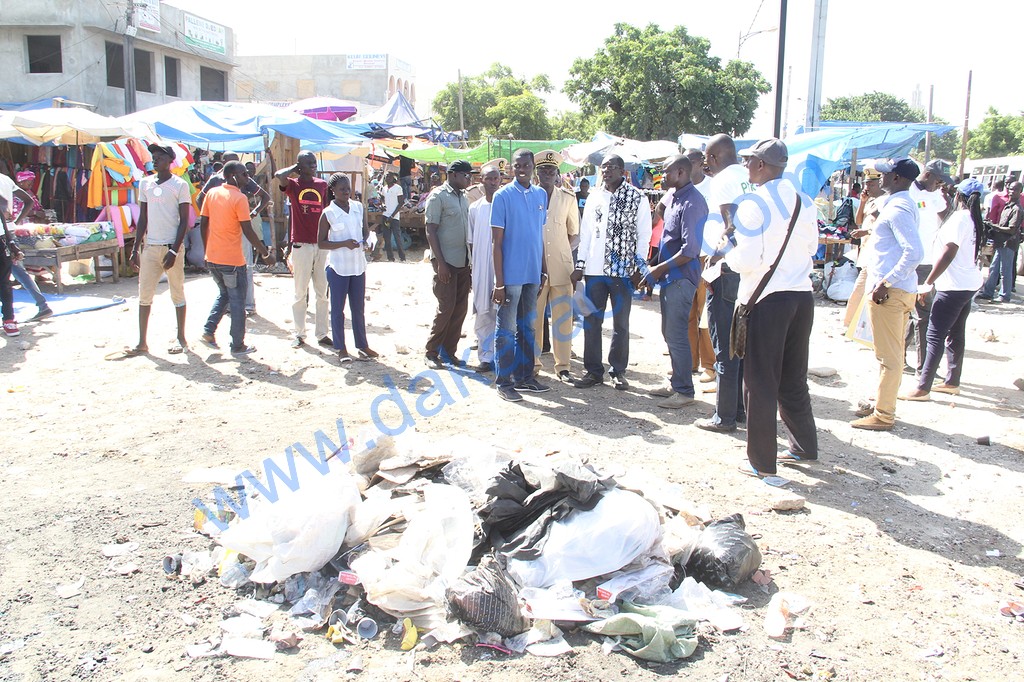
(212, 85)
(115, 65)
(171, 68)
(144, 71)
(44, 54)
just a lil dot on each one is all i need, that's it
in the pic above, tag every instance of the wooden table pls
(830, 244)
(55, 257)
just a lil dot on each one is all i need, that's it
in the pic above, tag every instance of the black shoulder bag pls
(741, 314)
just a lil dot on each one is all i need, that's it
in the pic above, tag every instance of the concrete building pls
(75, 49)
(368, 79)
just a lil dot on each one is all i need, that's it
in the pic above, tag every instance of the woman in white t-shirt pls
(343, 232)
(956, 278)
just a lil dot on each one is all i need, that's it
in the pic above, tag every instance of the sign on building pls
(366, 62)
(147, 15)
(205, 34)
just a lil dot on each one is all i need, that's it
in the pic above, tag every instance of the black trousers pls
(775, 377)
(6, 292)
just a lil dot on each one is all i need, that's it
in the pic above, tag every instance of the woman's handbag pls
(741, 314)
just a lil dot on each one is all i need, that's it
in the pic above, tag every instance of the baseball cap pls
(548, 157)
(938, 169)
(905, 168)
(772, 151)
(163, 149)
(460, 166)
(969, 187)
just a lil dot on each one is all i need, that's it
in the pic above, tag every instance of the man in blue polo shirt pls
(518, 212)
(678, 272)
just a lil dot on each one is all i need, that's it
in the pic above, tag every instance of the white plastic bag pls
(433, 552)
(300, 531)
(586, 544)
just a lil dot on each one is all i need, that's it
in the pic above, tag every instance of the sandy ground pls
(895, 546)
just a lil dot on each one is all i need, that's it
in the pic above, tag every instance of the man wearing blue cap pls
(892, 281)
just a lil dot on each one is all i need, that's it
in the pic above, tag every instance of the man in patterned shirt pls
(614, 234)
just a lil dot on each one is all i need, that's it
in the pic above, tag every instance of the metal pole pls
(783, 6)
(789, 87)
(462, 122)
(129, 60)
(967, 118)
(812, 120)
(928, 135)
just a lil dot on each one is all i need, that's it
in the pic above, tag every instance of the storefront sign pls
(366, 62)
(205, 34)
(147, 15)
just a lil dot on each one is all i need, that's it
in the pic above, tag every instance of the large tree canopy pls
(998, 135)
(496, 103)
(871, 106)
(651, 84)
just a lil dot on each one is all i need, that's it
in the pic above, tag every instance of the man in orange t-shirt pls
(223, 221)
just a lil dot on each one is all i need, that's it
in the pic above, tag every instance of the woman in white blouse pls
(343, 233)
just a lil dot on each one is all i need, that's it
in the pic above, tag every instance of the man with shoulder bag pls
(772, 249)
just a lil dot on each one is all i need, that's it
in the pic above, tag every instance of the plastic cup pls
(367, 628)
(172, 564)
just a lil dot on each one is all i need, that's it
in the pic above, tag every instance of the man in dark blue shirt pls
(678, 272)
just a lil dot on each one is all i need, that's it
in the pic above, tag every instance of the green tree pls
(497, 102)
(573, 125)
(871, 106)
(998, 135)
(650, 84)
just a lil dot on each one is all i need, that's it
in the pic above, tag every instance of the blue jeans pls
(513, 338)
(721, 303)
(676, 300)
(1000, 272)
(598, 289)
(947, 326)
(352, 287)
(231, 281)
(392, 231)
(28, 283)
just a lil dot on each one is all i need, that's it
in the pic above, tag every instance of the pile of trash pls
(447, 541)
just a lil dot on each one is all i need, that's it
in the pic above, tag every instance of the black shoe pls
(326, 342)
(588, 380)
(433, 361)
(510, 394)
(565, 377)
(712, 425)
(485, 367)
(41, 315)
(619, 382)
(532, 386)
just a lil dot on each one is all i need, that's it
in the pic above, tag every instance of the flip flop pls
(769, 479)
(209, 342)
(344, 359)
(790, 456)
(125, 354)
(368, 354)
(175, 348)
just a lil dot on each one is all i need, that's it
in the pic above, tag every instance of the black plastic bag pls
(725, 555)
(486, 600)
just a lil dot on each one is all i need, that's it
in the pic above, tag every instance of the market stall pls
(51, 246)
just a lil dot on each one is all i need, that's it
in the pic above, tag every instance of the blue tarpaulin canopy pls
(813, 157)
(240, 126)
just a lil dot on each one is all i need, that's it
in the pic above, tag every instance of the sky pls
(894, 46)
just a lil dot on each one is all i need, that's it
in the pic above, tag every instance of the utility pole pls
(129, 59)
(817, 74)
(928, 135)
(780, 66)
(967, 118)
(462, 122)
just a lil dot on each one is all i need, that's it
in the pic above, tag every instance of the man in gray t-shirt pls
(447, 219)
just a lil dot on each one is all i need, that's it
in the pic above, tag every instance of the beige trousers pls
(308, 264)
(889, 329)
(560, 298)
